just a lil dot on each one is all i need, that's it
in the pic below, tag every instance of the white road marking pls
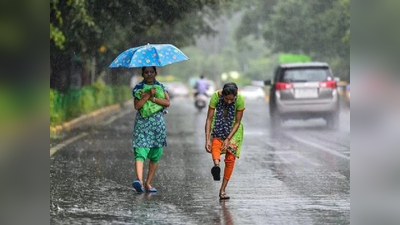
(289, 157)
(65, 143)
(320, 147)
(307, 160)
(113, 118)
(283, 159)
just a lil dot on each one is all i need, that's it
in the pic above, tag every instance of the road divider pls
(86, 119)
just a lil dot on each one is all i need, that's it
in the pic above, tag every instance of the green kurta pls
(237, 139)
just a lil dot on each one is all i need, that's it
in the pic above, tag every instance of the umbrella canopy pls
(149, 55)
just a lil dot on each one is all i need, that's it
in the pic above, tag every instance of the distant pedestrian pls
(149, 136)
(224, 131)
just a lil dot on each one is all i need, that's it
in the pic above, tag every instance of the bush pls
(109, 95)
(76, 102)
(99, 93)
(71, 103)
(87, 101)
(57, 114)
(126, 93)
(122, 94)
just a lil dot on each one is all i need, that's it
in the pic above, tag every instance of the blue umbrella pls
(149, 55)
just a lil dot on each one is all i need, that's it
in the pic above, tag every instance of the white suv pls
(303, 91)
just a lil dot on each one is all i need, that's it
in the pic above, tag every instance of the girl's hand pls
(146, 95)
(225, 144)
(153, 91)
(208, 146)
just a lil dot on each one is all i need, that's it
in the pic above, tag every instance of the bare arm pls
(138, 103)
(210, 115)
(162, 101)
(148, 96)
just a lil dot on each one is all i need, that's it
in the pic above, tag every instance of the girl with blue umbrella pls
(149, 137)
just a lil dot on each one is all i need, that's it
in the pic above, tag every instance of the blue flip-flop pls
(138, 186)
(151, 190)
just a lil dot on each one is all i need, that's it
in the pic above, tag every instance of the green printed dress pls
(150, 131)
(237, 139)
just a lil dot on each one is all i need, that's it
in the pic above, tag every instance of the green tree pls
(317, 28)
(255, 17)
(79, 28)
(192, 68)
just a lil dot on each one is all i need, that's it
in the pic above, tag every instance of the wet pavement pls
(299, 175)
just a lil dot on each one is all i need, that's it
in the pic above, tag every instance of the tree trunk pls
(86, 73)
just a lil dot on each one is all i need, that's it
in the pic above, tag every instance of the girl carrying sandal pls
(224, 131)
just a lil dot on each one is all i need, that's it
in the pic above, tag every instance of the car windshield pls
(306, 75)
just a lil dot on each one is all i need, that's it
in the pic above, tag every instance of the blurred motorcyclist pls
(201, 86)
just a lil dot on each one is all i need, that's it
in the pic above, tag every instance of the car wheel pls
(276, 121)
(332, 121)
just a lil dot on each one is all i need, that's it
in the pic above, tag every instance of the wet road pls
(300, 175)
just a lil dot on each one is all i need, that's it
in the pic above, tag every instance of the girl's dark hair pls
(230, 89)
(144, 67)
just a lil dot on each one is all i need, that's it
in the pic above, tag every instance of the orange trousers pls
(229, 157)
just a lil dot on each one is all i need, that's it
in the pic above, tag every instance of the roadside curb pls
(87, 118)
